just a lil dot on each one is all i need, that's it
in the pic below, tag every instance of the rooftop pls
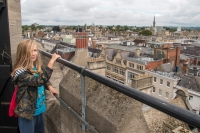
(52, 41)
(141, 60)
(190, 82)
(65, 50)
(169, 75)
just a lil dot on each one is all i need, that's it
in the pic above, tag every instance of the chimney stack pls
(137, 52)
(185, 67)
(195, 61)
(195, 71)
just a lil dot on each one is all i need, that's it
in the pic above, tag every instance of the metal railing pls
(163, 106)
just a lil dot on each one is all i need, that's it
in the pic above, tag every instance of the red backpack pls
(13, 104)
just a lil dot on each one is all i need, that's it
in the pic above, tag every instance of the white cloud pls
(104, 12)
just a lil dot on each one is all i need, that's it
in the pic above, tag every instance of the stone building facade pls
(116, 68)
(163, 84)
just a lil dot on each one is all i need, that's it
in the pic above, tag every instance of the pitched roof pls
(165, 67)
(139, 41)
(111, 53)
(190, 82)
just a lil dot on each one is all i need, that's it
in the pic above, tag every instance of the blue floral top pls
(41, 99)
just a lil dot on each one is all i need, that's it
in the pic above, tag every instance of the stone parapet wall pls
(15, 26)
(52, 115)
(107, 110)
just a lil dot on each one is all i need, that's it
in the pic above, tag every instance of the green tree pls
(118, 27)
(24, 28)
(126, 28)
(100, 27)
(41, 27)
(172, 30)
(145, 33)
(33, 28)
(56, 29)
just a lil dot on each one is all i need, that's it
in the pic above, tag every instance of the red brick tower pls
(81, 40)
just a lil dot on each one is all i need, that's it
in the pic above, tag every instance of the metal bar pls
(90, 127)
(83, 100)
(163, 106)
(8, 127)
(64, 62)
(5, 103)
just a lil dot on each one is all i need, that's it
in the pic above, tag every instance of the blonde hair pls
(23, 57)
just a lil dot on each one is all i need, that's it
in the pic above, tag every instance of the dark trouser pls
(31, 126)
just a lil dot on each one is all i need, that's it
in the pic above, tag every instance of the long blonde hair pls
(23, 57)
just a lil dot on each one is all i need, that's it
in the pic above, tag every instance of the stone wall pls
(52, 115)
(107, 110)
(159, 122)
(15, 30)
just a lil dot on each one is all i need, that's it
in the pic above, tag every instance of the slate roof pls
(94, 52)
(113, 52)
(110, 35)
(139, 41)
(165, 67)
(190, 82)
(68, 45)
(191, 51)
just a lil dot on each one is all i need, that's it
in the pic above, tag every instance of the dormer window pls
(118, 62)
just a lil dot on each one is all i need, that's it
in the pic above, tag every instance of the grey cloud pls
(126, 12)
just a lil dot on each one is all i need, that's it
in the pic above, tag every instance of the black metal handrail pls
(89, 127)
(163, 106)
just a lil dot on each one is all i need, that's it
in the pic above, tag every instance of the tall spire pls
(154, 22)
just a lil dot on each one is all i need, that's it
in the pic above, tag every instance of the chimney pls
(195, 71)
(81, 40)
(185, 67)
(195, 61)
(137, 52)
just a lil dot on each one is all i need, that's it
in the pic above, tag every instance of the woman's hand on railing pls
(53, 91)
(53, 59)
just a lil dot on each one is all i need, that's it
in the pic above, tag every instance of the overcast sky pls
(111, 12)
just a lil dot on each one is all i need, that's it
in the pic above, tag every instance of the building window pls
(108, 76)
(160, 92)
(161, 81)
(108, 67)
(115, 69)
(153, 89)
(154, 79)
(191, 98)
(131, 65)
(118, 62)
(115, 79)
(122, 72)
(138, 67)
(168, 84)
(130, 76)
(167, 95)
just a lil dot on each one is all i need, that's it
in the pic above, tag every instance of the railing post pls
(83, 100)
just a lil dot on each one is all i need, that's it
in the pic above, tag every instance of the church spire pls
(154, 22)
